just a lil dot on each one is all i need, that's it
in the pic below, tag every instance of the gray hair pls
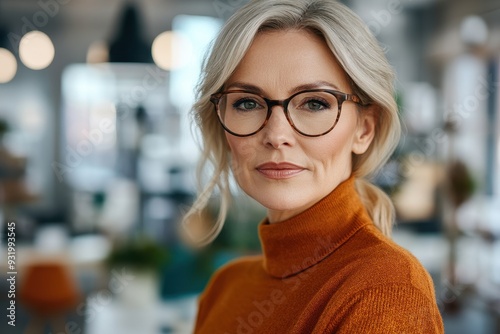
(359, 54)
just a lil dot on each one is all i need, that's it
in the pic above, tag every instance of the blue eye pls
(316, 105)
(246, 105)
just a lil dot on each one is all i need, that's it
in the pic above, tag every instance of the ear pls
(365, 130)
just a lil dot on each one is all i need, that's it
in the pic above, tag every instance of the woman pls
(296, 98)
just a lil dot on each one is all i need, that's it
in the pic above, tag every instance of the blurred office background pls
(98, 157)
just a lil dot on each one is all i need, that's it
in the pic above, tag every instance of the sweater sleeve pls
(388, 309)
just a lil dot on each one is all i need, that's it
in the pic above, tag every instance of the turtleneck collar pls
(302, 241)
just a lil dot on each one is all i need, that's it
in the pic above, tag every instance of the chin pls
(282, 200)
(286, 195)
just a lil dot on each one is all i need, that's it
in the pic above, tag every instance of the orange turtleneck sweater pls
(326, 270)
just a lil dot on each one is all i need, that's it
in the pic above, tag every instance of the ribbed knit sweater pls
(326, 270)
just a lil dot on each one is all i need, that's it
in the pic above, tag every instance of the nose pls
(278, 132)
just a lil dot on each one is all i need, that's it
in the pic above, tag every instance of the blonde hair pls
(360, 55)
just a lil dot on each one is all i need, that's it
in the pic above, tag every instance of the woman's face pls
(283, 170)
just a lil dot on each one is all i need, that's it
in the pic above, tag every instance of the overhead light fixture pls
(8, 63)
(8, 66)
(36, 50)
(128, 45)
(98, 52)
(170, 50)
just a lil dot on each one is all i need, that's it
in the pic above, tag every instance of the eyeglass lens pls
(311, 113)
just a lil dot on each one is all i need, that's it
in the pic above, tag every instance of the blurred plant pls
(141, 254)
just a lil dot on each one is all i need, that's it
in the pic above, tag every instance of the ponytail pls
(378, 205)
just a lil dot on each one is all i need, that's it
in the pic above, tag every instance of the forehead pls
(279, 61)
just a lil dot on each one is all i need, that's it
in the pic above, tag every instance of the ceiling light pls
(169, 50)
(98, 53)
(36, 50)
(8, 66)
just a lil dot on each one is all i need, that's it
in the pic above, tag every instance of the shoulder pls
(226, 281)
(376, 260)
(387, 308)
(231, 272)
(238, 266)
(383, 288)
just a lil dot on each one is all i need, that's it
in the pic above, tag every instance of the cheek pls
(242, 154)
(332, 150)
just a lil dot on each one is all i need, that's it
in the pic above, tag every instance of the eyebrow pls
(255, 89)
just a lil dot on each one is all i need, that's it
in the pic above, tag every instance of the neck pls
(305, 239)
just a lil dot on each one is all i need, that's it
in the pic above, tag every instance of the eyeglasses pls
(312, 113)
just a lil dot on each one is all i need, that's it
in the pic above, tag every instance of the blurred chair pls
(48, 291)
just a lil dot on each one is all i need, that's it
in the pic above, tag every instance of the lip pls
(279, 170)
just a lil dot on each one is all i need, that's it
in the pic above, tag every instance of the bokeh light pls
(98, 52)
(170, 50)
(36, 50)
(8, 66)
